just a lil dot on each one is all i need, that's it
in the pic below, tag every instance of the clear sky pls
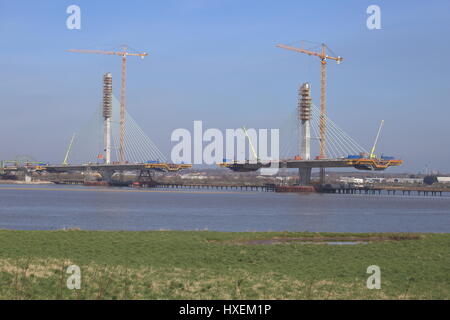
(216, 61)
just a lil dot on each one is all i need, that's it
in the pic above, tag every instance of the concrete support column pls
(304, 176)
(107, 139)
(107, 113)
(107, 175)
(304, 115)
(322, 176)
(27, 177)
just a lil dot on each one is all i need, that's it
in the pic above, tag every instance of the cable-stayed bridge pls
(300, 138)
(88, 144)
(335, 147)
(110, 142)
(88, 148)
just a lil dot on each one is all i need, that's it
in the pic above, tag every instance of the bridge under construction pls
(345, 151)
(111, 142)
(123, 146)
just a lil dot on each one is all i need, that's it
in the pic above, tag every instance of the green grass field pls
(215, 265)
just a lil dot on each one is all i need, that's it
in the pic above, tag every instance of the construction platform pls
(106, 170)
(164, 167)
(376, 164)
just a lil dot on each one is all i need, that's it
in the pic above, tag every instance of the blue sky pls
(216, 61)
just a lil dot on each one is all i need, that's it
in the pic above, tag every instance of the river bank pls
(39, 182)
(222, 265)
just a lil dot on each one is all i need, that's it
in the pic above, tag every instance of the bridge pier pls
(322, 176)
(27, 177)
(304, 176)
(107, 175)
(146, 177)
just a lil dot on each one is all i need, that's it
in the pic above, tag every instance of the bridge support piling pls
(27, 177)
(322, 176)
(304, 176)
(107, 175)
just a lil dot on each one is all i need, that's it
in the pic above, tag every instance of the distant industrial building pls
(371, 180)
(351, 180)
(405, 180)
(374, 180)
(443, 179)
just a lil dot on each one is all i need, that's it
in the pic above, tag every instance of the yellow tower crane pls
(322, 55)
(124, 53)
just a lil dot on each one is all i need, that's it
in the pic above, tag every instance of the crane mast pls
(323, 102)
(122, 110)
(322, 55)
(124, 53)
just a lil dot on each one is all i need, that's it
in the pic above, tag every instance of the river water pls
(54, 207)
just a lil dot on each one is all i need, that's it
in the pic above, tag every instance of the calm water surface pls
(56, 207)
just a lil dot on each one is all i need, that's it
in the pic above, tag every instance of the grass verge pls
(218, 265)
